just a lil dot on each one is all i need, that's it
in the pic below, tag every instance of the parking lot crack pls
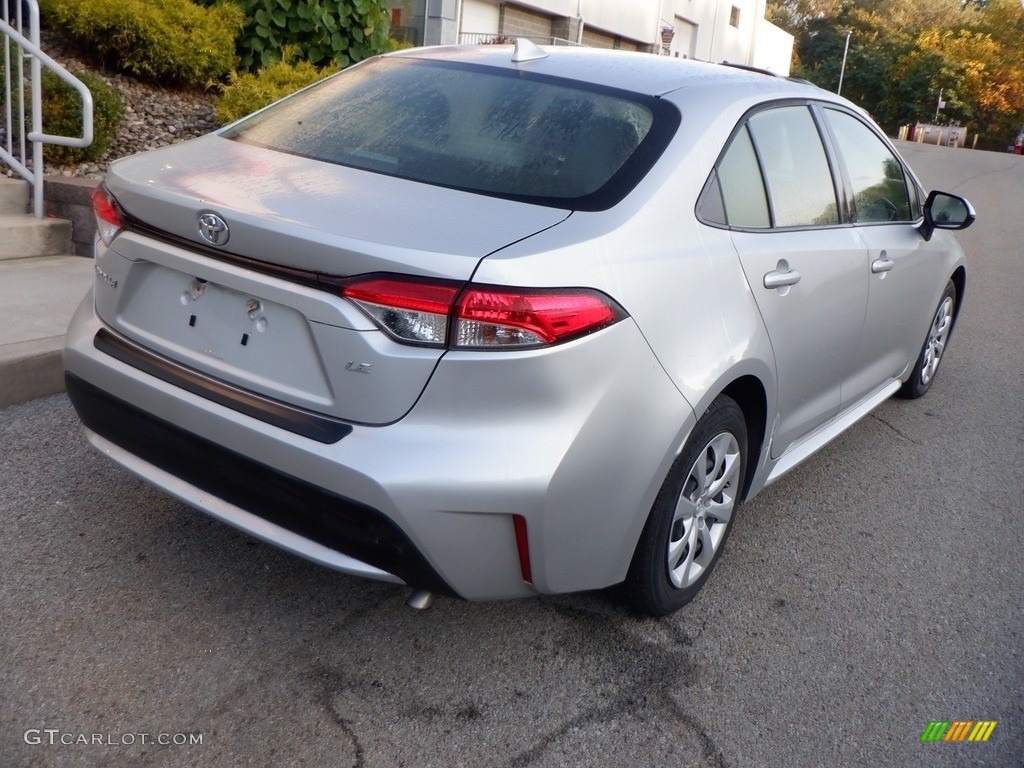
(328, 685)
(647, 696)
(899, 432)
(594, 715)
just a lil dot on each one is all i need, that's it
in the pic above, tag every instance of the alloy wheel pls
(937, 336)
(703, 510)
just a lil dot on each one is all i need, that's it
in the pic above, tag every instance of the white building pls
(711, 30)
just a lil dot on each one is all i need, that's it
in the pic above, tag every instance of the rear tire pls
(928, 360)
(692, 515)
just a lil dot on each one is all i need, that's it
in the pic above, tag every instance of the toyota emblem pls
(213, 229)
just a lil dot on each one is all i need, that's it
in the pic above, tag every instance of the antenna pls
(527, 50)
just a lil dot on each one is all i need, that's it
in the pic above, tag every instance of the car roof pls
(627, 70)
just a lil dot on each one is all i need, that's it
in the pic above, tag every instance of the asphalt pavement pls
(876, 589)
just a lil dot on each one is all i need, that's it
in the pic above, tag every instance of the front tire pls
(927, 365)
(692, 515)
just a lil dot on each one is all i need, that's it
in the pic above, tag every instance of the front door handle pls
(882, 264)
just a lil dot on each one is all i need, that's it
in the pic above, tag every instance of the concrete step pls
(38, 296)
(24, 236)
(14, 195)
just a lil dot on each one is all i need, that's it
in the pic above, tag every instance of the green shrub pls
(152, 39)
(325, 31)
(62, 116)
(399, 45)
(248, 92)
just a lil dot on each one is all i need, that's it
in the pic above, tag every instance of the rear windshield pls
(492, 131)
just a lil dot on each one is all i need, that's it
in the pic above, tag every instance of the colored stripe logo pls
(958, 730)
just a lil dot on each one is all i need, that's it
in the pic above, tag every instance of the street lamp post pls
(842, 69)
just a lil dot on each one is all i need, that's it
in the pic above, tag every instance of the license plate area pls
(246, 339)
(222, 319)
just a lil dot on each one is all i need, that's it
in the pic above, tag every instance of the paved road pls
(877, 588)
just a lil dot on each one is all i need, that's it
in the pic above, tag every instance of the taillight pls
(439, 313)
(108, 222)
(411, 311)
(503, 317)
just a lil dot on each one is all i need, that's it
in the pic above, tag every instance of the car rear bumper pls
(225, 481)
(577, 447)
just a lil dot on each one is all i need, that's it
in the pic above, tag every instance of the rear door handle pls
(781, 277)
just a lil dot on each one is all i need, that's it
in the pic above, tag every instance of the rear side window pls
(880, 191)
(774, 173)
(742, 190)
(800, 185)
(492, 131)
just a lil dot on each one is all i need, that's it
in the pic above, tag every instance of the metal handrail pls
(28, 48)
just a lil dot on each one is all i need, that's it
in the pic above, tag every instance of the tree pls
(916, 79)
(902, 52)
(985, 84)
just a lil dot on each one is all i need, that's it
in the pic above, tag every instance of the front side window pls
(880, 191)
(801, 190)
(491, 131)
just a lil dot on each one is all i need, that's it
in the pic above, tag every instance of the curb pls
(31, 369)
(38, 296)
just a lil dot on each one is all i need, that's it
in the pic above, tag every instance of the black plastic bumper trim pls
(340, 524)
(299, 421)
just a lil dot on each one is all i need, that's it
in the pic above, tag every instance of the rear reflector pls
(523, 545)
(439, 313)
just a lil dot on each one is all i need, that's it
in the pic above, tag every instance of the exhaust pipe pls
(420, 599)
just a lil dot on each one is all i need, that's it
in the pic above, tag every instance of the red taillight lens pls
(483, 317)
(503, 317)
(412, 311)
(108, 222)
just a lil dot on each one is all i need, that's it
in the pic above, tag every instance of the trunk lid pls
(296, 212)
(163, 287)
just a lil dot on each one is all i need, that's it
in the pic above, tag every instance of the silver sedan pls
(496, 322)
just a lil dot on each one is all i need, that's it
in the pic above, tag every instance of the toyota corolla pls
(495, 322)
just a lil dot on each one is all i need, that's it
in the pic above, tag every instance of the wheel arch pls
(749, 394)
(959, 278)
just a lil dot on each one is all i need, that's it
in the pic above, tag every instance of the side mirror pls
(945, 211)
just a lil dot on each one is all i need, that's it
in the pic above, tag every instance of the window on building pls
(734, 17)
